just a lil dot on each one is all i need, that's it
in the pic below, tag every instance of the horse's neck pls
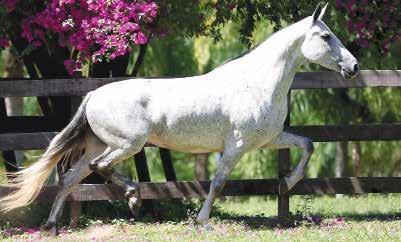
(276, 61)
(272, 65)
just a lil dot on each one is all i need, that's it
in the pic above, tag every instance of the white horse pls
(238, 107)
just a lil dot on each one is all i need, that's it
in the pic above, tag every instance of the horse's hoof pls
(202, 222)
(131, 191)
(52, 227)
(204, 226)
(208, 227)
(54, 230)
(134, 203)
(47, 226)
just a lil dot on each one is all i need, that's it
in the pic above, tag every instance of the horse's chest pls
(265, 124)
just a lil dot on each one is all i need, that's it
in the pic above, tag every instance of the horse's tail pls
(65, 146)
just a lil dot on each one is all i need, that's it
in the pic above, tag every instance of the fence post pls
(167, 162)
(75, 206)
(142, 171)
(10, 160)
(283, 169)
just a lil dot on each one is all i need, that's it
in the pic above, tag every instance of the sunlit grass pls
(2, 172)
(361, 218)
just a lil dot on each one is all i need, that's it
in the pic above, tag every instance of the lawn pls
(2, 172)
(319, 218)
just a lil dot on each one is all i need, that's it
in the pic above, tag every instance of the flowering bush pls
(373, 22)
(99, 29)
(102, 30)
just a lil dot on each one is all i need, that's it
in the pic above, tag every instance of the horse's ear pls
(318, 11)
(323, 11)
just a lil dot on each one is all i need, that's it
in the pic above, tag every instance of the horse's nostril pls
(356, 68)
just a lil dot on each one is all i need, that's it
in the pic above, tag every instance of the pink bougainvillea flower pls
(69, 65)
(380, 31)
(100, 30)
(140, 38)
(4, 43)
(10, 5)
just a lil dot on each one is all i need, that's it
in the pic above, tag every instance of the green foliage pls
(248, 13)
(169, 57)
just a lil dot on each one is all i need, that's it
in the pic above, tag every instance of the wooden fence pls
(31, 133)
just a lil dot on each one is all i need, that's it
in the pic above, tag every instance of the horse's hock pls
(33, 133)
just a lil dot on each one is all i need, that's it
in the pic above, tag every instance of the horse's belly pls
(190, 146)
(194, 144)
(192, 137)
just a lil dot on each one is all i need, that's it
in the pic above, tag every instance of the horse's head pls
(322, 47)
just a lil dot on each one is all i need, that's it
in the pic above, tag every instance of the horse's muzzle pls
(350, 72)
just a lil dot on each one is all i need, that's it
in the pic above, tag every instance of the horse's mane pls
(242, 54)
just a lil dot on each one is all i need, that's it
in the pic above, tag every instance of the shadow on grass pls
(261, 222)
(367, 217)
(172, 211)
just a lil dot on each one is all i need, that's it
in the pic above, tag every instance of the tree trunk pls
(341, 160)
(201, 167)
(356, 158)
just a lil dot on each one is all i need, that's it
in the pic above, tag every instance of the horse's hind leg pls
(102, 166)
(110, 157)
(131, 188)
(71, 178)
(78, 171)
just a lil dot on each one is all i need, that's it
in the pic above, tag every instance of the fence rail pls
(27, 133)
(318, 133)
(302, 80)
(249, 187)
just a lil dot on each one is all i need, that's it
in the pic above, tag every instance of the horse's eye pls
(326, 37)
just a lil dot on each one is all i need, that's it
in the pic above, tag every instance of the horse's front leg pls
(288, 140)
(226, 164)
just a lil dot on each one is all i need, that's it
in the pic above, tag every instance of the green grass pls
(321, 218)
(2, 172)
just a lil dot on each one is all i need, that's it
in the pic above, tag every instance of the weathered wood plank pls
(252, 187)
(367, 78)
(29, 124)
(302, 80)
(360, 132)
(26, 141)
(53, 87)
(195, 189)
(29, 141)
(318, 133)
